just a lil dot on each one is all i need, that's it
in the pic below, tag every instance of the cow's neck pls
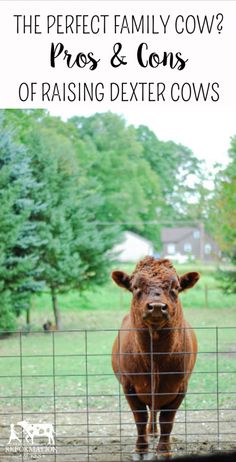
(165, 339)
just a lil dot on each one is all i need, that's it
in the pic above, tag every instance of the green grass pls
(71, 380)
(113, 299)
(104, 308)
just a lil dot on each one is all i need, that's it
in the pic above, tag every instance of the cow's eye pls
(138, 291)
(173, 293)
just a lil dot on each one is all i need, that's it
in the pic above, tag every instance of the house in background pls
(189, 242)
(133, 248)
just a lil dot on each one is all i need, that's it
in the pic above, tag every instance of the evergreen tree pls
(15, 267)
(72, 245)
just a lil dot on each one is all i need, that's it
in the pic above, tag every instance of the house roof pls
(128, 235)
(132, 248)
(176, 234)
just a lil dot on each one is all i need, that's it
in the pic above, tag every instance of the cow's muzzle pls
(156, 310)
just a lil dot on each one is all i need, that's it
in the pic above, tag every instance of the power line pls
(153, 222)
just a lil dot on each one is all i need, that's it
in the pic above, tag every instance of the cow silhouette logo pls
(32, 430)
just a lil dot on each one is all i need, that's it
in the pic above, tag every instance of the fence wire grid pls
(61, 385)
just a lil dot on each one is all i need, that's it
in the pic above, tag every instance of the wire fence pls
(60, 400)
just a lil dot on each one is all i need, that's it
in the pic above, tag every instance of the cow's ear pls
(121, 279)
(188, 280)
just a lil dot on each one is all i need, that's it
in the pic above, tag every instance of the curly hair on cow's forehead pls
(151, 263)
(154, 268)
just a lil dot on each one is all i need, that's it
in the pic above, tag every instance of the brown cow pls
(148, 354)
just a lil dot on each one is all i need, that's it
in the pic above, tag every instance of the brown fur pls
(154, 283)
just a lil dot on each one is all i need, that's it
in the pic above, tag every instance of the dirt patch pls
(106, 435)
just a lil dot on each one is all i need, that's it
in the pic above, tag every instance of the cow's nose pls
(157, 307)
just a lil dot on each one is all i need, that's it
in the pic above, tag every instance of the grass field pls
(39, 366)
(104, 308)
(70, 371)
(109, 299)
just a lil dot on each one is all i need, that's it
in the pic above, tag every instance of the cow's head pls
(22, 423)
(155, 286)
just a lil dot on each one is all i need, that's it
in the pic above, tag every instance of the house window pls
(196, 234)
(171, 249)
(207, 249)
(187, 247)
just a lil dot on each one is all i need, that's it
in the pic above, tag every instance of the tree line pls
(69, 188)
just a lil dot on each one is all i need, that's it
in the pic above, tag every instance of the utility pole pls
(202, 241)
